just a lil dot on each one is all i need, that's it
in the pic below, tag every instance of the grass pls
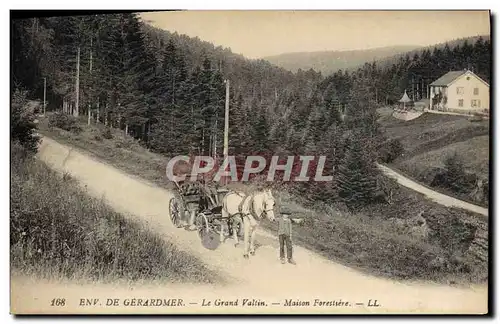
(58, 231)
(370, 240)
(121, 151)
(432, 131)
(428, 139)
(474, 152)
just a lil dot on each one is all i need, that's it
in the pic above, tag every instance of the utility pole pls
(44, 94)
(226, 124)
(90, 68)
(215, 136)
(77, 85)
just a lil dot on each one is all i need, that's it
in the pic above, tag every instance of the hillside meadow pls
(432, 138)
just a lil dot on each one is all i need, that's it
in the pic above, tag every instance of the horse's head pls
(268, 204)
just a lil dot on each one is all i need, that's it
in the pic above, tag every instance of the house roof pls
(405, 98)
(448, 78)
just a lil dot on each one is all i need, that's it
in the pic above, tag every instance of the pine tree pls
(260, 132)
(357, 176)
(315, 129)
(239, 125)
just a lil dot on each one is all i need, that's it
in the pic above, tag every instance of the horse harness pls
(252, 212)
(240, 206)
(250, 206)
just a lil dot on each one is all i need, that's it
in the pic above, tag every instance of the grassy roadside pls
(381, 240)
(384, 240)
(415, 173)
(58, 231)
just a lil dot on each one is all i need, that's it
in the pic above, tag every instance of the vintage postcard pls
(250, 162)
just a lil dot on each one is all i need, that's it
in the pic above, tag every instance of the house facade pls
(460, 91)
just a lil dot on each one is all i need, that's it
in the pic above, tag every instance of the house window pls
(475, 103)
(476, 91)
(460, 102)
(460, 90)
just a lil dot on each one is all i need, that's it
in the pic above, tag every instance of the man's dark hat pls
(285, 211)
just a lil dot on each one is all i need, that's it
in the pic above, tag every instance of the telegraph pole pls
(44, 94)
(90, 68)
(226, 124)
(215, 137)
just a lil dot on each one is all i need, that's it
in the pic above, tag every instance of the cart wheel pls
(175, 212)
(209, 239)
(201, 225)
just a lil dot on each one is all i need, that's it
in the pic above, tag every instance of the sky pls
(257, 34)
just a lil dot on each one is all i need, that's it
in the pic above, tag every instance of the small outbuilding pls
(406, 101)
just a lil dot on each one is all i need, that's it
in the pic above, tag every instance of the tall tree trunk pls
(89, 113)
(203, 141)
(143, 132)
(106, 114)
(210, 139)
(90, 67)
(77, 84)
(173, 87)
(98, 111)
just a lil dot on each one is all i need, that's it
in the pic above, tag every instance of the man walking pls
(285, 236)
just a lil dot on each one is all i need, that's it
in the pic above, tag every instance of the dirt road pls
(261, 277)
(431, 194)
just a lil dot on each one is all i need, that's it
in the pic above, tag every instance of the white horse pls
(251, 208)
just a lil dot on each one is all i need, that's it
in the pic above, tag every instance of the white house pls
(460, 91)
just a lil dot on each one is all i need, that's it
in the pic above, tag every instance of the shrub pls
(455, 177)
(22, 122)
(106, 133)
(476, 118)
(390, 150)
(67, 122)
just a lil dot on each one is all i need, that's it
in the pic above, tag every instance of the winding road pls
(262, 277)
(440, 198)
